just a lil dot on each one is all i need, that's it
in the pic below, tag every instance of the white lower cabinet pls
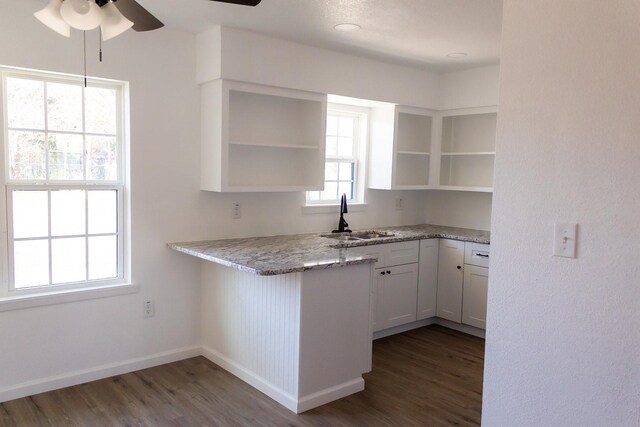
(474, 302)
(428, 278)
(396, 289)
(450, 280)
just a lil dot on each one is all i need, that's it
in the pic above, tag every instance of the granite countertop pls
(273, 255)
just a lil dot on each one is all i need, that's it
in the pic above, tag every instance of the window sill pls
(61, 297)
(333, 209)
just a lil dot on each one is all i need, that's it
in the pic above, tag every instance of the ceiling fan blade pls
(142, 19)
(242, 2)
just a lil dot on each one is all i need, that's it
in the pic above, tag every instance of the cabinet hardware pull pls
(388, 271)
(483, 255)
(382, 272)
(459, 267)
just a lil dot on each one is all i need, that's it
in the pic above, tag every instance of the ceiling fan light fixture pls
(113, 22)
(50, 16)
(81, 14)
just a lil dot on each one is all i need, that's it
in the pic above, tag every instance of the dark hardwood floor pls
(426, 377)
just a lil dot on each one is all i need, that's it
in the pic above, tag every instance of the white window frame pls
(361, 136)
(120, 185)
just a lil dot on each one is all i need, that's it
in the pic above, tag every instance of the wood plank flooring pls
(430, 376)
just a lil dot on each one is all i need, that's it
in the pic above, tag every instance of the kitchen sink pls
(359, 235)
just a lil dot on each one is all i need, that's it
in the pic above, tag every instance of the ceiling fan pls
(112, 16)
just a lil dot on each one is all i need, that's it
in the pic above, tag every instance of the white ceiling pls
(411, 32)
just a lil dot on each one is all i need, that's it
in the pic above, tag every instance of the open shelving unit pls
(260, 138)
(401, 148)
(468, 150)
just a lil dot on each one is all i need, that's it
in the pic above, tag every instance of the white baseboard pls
(99, 372)
(251, 378)
(329, 395)
(476, 332)
(282, 397)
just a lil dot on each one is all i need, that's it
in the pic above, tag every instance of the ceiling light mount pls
(347, 27)
(457, 55)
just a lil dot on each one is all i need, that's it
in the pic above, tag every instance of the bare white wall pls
(42, 343)
(257, 58)
(475, 87)
(459, 209)
(563, 340)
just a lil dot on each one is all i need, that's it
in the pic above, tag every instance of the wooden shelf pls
(414, 153)
(270, 145)
(464, 188)
(470, 153)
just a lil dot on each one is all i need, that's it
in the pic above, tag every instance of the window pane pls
(332, 146)
(103, 211)
(103, 257)
(331, 171)
(31, 263)
(66, 157)
(25, 104)
(345, 126)
(100, 110)
(332, 125)
(68, 258)
(346, 188)
(30, 214)
(26, 155)
(67, 212)
(64, 107)
(330, 191)
(346, 171)
(102, 164)
(345, 147)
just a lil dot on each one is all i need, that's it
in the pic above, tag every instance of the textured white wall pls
(476, 87)
(563, 339)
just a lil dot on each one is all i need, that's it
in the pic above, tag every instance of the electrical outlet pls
(149, 309)
(237, 211)
(399, 204)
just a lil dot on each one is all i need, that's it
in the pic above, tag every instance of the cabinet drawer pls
(476, 254)
(401, 253)
(371, 250)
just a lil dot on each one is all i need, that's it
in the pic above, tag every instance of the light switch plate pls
(564, 239)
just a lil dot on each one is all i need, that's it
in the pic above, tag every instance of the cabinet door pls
(397, 296)
(428, 278)
(450, 278)
(474, 303)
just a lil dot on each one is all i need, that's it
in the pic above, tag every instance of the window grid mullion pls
(49, 241)
(86, 232)
(46, 131)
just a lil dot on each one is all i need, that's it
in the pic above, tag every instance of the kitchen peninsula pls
(279, 314)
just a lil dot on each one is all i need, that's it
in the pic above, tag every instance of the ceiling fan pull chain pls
(100, 38)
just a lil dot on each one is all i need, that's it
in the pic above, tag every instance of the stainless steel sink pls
(359, 235)
(365, 235)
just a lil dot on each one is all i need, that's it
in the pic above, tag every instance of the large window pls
(64, 156)
(345, 130)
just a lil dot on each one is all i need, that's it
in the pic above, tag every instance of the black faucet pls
(342, 224)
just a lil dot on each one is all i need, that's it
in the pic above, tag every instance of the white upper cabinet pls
(467, 149)
(400, 153)
(261, 138)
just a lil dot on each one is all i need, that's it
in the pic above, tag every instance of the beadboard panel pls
(254, 321)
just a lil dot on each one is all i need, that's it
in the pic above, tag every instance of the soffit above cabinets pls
(419, 33)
